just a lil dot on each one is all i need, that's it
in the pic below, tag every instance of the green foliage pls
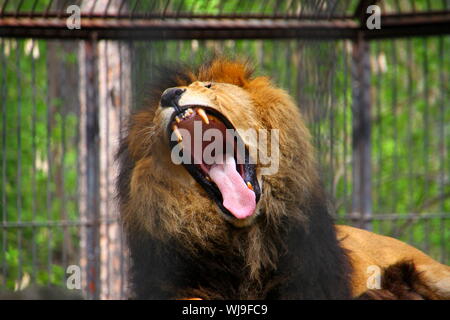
(39, 168)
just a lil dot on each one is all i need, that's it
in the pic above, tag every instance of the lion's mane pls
(181, 247)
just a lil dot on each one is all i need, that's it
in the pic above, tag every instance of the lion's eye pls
(208, 85)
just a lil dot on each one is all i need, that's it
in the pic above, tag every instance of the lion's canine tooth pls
(178, 120)
(203, 115)
(177, 133)
(249, 185)
(189, 111)
(208, 178)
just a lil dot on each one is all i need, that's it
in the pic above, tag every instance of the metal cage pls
(376, 102)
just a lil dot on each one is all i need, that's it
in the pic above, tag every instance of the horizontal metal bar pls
(177, 29)
(181, 15)
(54, 223)
(397, 216)
(146, 29)
(77, 223)
(411, 24)
(211, 27)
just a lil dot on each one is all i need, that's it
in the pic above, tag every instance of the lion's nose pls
(170, 97)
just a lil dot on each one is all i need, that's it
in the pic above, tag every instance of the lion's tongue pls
(237, 197)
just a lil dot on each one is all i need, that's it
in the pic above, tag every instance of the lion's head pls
(200, 203)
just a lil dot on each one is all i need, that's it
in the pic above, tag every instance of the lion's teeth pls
(189, 111)
(249, 185)
(177, 133)
(178, 120)
(203, 115)
(208, 178)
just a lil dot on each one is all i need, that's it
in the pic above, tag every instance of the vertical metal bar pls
(33, 151)
(317, 104)
(94, 4)
(92, 169)
(442, 135)
(33, 8)
(19, 158)
(317, 8)
(426, 148)
(410, 225)
(155, 5)
(288, 70)
(331, 120)
(47, 10)
(19, 6)
(426, 116)
(79, 195)
(4, 7)
(133, 57)
(63, 215)
(262, 7)
(410, 88)
(121, 106)
(136, 3)
(250, 8)
(4, 100)
(288, 10)
(181, 5)
(410, 64)
(151, 61)
(166, 6)
(105, 12)
(379, 130)
(333, 8)
(361, 108)
(394, 102)
(300, 85)
(107, 178)
(413, 5)
(345, 124)
(50, 167)
(121, 6)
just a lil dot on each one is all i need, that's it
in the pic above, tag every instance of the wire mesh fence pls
(64, 105)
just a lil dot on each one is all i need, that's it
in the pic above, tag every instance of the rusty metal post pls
(361, 109)
(89, 151)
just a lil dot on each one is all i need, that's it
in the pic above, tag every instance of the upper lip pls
(248, 169)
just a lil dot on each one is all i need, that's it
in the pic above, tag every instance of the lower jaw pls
(240, 223)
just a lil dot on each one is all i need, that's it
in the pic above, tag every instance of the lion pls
(223, 229)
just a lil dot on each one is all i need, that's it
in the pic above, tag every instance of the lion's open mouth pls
(216, 157)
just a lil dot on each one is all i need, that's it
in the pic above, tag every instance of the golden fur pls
(367, 248)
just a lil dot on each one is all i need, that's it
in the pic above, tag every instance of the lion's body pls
(367, 249)
(181, 245)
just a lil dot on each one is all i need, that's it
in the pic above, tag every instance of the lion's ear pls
(222, 70)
